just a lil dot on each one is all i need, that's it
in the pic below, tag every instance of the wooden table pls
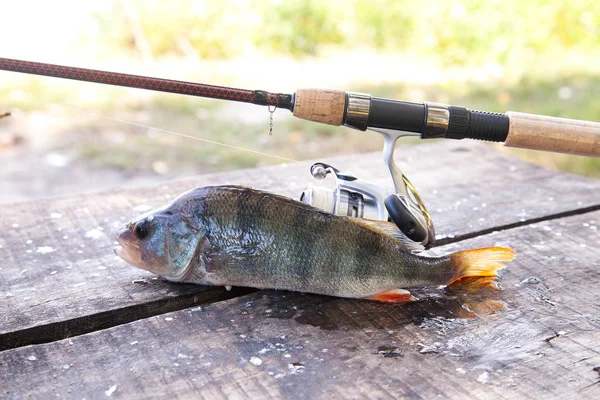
(76, 322)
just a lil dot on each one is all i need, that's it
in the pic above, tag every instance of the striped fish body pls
(237, 236)
(267, 241)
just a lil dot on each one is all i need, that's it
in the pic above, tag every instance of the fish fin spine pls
(388, 229)
(393, 296)
(477, 263)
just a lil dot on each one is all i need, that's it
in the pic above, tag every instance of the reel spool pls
(351, 197)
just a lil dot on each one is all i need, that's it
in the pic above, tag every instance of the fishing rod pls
(391, 118)
(362, 111)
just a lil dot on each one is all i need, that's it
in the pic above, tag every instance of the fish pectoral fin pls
(234, 256)
(391, 230)
(393, 296)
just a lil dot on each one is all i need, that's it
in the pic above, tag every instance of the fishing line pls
(173, 133)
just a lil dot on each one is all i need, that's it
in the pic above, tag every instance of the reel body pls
(356, 198)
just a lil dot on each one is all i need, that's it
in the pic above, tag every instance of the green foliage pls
(383, 24)
(468, 32)
(300, 27)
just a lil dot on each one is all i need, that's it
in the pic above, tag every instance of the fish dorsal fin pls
(274, 197)
(390, 230)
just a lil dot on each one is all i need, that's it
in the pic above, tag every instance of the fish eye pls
(141, 230)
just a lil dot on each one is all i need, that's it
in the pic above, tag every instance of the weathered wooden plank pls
(56, 260)
(537, 338)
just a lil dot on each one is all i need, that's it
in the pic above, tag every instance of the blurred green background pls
(530, 56)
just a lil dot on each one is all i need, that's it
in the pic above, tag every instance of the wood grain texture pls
(320, 105)
(537, 338)
(560, 135)
(57, 266)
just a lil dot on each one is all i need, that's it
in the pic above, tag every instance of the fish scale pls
(320, 253)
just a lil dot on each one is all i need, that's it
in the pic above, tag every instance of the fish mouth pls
(129, 253)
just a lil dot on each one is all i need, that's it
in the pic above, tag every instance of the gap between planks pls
(500, 228)
(108, 319)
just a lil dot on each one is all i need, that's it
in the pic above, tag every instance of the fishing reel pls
(356, 198)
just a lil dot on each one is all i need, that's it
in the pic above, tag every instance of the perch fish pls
(237, 236)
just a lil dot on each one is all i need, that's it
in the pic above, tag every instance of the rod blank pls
(259, 97)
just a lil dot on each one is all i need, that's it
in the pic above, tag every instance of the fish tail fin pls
(480, 266)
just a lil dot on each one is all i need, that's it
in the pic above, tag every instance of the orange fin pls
(393, 296)
(474, 283)
(480, 263)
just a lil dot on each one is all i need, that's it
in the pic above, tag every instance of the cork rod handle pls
(320, 105)
(559, 135)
